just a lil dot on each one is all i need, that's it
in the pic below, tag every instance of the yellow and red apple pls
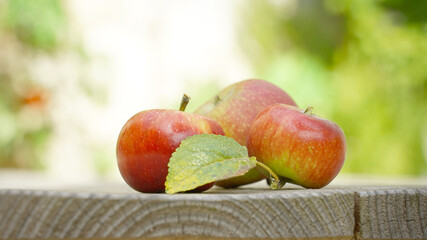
(298, 146)
(235, 109)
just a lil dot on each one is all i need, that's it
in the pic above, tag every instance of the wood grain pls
(330, 213)
(393, 214)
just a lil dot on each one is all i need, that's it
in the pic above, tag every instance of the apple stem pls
(217, 99)
(184, 102)
(309, 110)
(275, 180)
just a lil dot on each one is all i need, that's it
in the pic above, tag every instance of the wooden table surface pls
(109, 211)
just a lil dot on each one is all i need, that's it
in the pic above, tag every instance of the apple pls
(148, 139)
(235, 109)
(298, 146)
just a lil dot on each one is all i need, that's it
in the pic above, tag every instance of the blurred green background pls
(362, 64)
(26, 28)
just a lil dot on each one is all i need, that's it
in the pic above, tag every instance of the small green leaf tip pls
(206, 158)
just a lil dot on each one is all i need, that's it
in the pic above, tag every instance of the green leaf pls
(206, 158)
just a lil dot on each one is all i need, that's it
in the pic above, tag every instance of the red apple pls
(235, 109)
(297, 145)
(147, 141)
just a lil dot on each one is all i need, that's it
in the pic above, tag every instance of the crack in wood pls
(356, 216)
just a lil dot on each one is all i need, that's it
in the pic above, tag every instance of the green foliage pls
(28, 29)
(359, 64)
(206, 158)
(316, 30)
(409, 12)
(37, 23)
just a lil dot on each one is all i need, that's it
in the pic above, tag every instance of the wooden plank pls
(221, 213)
(338, 212)
(393, 213)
